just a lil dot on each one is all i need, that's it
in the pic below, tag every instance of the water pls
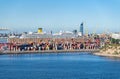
(58, 66)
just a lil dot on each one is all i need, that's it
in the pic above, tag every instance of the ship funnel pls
(39, 30)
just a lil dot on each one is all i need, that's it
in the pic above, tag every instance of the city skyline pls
(29, 15)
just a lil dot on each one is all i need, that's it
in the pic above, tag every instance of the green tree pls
(115, 41)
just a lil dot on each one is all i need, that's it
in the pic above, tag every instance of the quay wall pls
(50, 51)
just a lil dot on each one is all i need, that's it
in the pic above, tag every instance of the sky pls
(54, 15)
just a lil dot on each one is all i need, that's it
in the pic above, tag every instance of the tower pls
(81, 28)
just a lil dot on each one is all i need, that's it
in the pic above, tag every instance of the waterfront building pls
(115, 35)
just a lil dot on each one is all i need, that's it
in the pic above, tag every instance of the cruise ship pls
(41, 34)
(61, 34)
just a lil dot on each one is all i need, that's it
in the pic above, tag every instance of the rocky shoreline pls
(106, 55)
(109, 51)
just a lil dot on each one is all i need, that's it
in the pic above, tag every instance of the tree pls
(115, 41)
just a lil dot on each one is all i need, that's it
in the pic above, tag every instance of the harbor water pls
(58, 66)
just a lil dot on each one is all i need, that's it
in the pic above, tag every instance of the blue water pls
(58, 66)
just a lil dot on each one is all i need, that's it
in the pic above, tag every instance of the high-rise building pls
(81, 28)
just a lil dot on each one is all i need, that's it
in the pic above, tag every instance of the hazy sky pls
(56, 15)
